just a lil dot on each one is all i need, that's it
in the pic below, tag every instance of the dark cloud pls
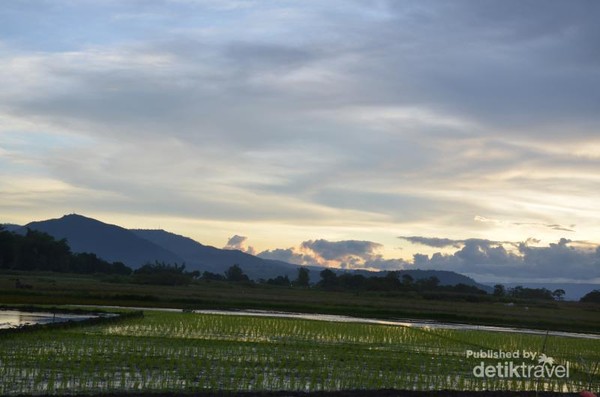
(476, 257)
(488, 258)
(483, 57)
(288, 255)
(335, 250)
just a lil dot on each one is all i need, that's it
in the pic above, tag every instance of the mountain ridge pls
(136, 247)
(110, 242)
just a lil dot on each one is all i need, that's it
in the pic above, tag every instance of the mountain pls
(203, 257)
(10, 227)
(109, 242)
(137, 247)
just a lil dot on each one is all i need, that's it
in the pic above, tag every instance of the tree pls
(279, 280)
(235, 274)
(558, 294)
(591, 297)
(499, 290)
(160, 273)
(303, 278)
(430, 283)
(328, 279)
(208, 276)
(8, 249)
(407, 280)
(351, 281)
(521, 292)
(392, 279)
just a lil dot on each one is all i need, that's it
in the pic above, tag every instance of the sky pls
(456, 135)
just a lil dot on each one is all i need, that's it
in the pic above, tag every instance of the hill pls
(207, 258)
(109, 242)
(10, 227)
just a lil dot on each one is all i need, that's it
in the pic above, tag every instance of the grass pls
(65, 289)
(187, 352)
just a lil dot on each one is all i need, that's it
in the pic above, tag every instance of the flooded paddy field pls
(19, 318)
(208, 352)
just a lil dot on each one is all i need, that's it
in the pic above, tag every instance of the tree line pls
(38, 251)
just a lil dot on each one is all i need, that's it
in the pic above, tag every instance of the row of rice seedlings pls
(166, 351)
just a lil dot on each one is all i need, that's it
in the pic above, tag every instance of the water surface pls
(338, 318)
(400, 322)
(18, 318)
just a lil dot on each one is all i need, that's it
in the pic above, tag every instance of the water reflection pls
(17, 318)
(402, 322)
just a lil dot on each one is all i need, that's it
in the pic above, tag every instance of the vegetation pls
(303, 279)
(38, 251)
(592, 297)
(34, 268)
(427, 287)
(60, 288)
(191, 352)
(236, 275)
(164, 274)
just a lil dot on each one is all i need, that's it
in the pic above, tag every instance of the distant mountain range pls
(136, 247)
(204, 257)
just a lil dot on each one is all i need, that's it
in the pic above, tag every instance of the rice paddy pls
(198, 352)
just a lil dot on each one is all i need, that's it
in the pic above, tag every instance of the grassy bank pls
(51, 288)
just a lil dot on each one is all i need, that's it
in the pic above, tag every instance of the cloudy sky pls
(460, 135)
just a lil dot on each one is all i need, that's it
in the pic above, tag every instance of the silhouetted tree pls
(40, 251)
(235, 273)
(531, 293)
(160, 273)
(407, 280)
(351, 281)
(427, 284)
(37, 250)
(8, 249)
(280, 280)
(303, 278)
(558, 294)
(328, 279)
(208, 276)
(392, 279)
(499, 290)
(591, 297)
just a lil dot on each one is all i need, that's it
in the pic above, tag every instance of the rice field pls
(199, 352)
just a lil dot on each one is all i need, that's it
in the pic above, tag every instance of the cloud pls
(345, 254)
(490, 259)
(290, 255)
(384, 116)
(239, 243)
(433, 241)
(552, 226)
(335, 250)
(479, 258)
